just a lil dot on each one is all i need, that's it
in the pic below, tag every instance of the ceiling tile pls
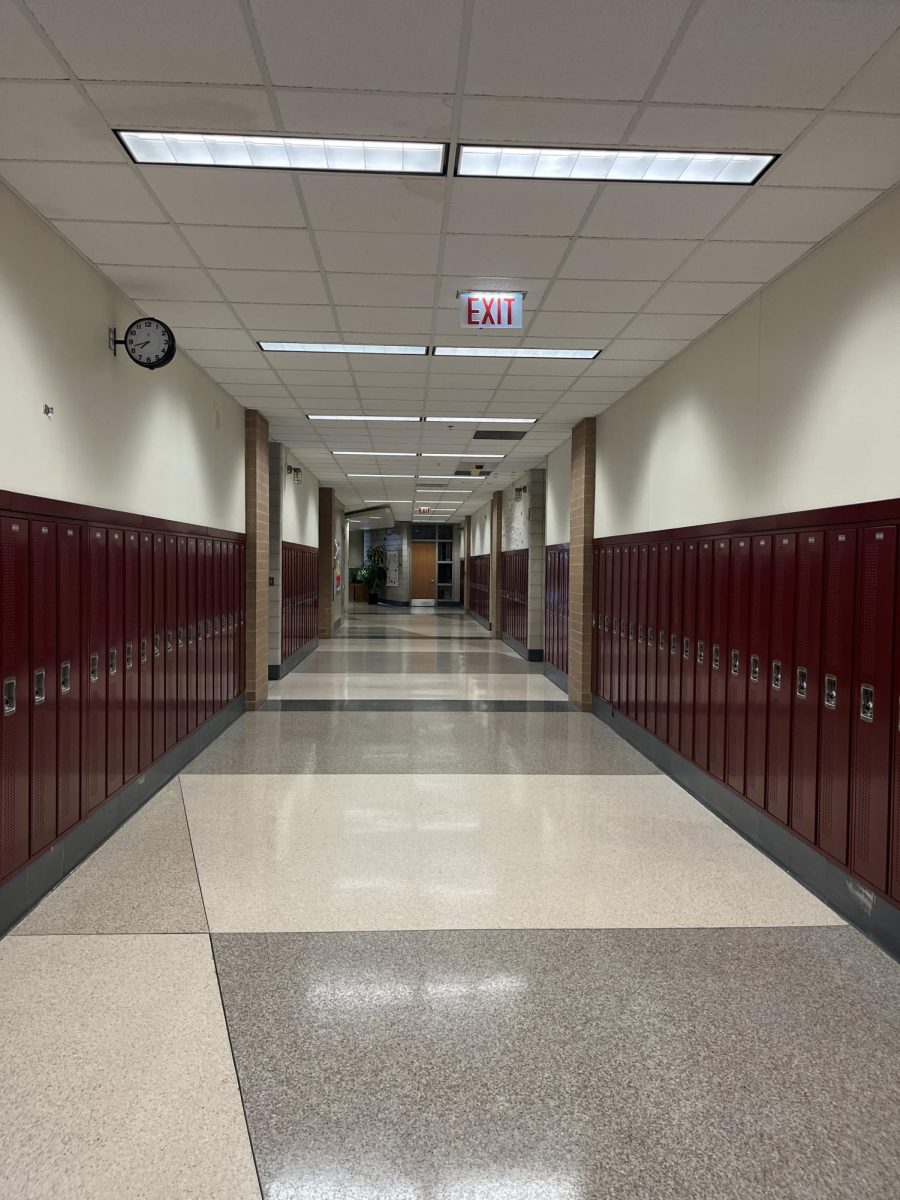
(659, 210)
(40, 120)
(613, 58)
(792, 214)
(213, 339)
(876, 89)
(843, 150)
(400, 379)
(127, 243)
(670, 325)
(252, 249)
(772, 53)
(294, 366)
(253, 359)
(744, 262)
(183, 106)
(234, 375)
(365, 114)
(498, 255)
(325, 394)
(219, 196)
(636, 349)
(451, 285)
(197, 315)
(610, 383)
(285, 287)
(413, 254)
(598, 296)
(402, 291)
(23, 53)
(560, 367)
(378, 203)
(700, 297)
(613, 367)
(517, 206)
(251, 391)
(543, 122)
(95, 191)
(541, 382)
(630, 259)
(201, 42)
(581, 325)
(410, 45)
(162, 283)
(385, 320)
(281, 318)
(316, 379)
(684, 127)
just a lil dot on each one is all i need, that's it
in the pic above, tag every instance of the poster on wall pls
(393, 568)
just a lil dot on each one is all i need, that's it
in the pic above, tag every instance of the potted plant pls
(373, 572)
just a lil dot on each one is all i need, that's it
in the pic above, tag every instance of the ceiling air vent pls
(498, 435)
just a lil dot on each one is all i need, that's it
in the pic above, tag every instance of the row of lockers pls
(115, 644)
(556, 608)
(514, 594)
(480, 586)
(299, 597)
(769, 660)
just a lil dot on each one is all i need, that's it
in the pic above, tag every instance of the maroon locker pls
(702, 654)
(202, 640)
(181, 639)
(807, 646)
(115, 664)
(872, 699)
(132, 664)
(191, 634)
(242, 590)
(835, 699)
(688, 621)
(218, 633)
(781, 671)
(69, 676)
(210, 630)
(652, 609)
(171, 653)
(597, 560)
(145, 654)
(624, 598)
(736, 663)
(95, 656)
(159, 645)
(230, 690)
(662, 641)
(676, 599)
(14, 668)
(606, 654)
(758, 669)
(718, 660)
(615, 640)
(631, 672)
(42, 605)
(640, 712)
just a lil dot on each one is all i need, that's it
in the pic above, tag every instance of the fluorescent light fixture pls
(509, 352)
(481, 420)
(434, 454)
(284, 153)
(648, 166)
(383, 502)
(379, 476)
(445, 491)
(437, 477)
(337, 348)
(354, 417)
(374, 453)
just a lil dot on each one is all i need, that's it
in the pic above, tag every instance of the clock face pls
(150, 343)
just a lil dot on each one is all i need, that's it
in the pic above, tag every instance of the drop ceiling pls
(229, 256)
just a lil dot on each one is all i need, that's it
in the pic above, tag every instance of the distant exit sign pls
(423, 510)
(491, 310)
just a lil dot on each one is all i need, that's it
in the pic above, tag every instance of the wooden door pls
(423, 570)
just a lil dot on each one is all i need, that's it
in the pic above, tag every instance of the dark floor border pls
(849, 897)
(400, 705)
(524, 652)
(479, 618)
(555, 675)
(279, 670)
(26, 888)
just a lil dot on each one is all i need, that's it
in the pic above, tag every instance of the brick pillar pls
(496, 547)
(326, 562)
(581, 536)
(256, 507)
(468, 535)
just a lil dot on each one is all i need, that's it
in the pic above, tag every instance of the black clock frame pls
(166, 358)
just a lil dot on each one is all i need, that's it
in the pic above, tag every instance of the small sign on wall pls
(491, 310)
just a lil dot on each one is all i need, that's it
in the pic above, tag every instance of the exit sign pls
(423, 511)
(491, 310)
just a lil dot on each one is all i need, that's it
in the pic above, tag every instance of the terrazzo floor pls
(420, 931)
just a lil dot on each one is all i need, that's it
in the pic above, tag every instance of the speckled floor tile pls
(448, 663)
(409, 644)
(569, 1065)
(521, 684)
(350, 852)
(142, 880)
(118, 1080)
(569, 743)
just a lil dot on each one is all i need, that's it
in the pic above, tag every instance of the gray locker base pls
(279, 670)
(874, 916)
(555, 675)
(32, 883)
(523, 651)
(477, 617)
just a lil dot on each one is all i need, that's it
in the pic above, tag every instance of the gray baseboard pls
(555, 675)
(29, 885)
(480, 619)
(848, 896)
(279, 670)
(528, 655)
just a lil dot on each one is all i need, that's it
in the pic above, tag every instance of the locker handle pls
(802, 683)
(605, 623)
(735, 662)
(640, 635)
(686, 648)
(95, 668)
(673, 644)
(180, 636)
(129, 656)
(615, 627)
(754, 668)
(701, 652)
(190, 635)
(831, 691)
(631, 631)
(623, 630)
(651, 636)
(866, 703)
(170, 641)
(113, 661)
(594, 621)
(661, 641)
(65, 677)
(9, 697)
(143, 650)
(40, 686)
(715, 658)
(776, 675)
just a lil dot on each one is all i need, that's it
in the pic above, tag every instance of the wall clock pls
(150, 343)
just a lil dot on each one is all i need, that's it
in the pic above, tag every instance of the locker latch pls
(605, 623)
(673, 644)
(65, 677)
(735, 662)
(623, 631)
(650, 636)
(754, 668)
(170, 641)
(216, 626)
(208, 627)
(9, 697)
(802, 683)
(701, 652)
(631, 631)
(113, 660)
(156, 645)
(95, 667)
(686, 648)
(776, 675)
(40, 686)
(866, 703)
(190, 635)
(831, 691)
(715, 658)
(180, 636)
(129, 656)
(594, 621)
(661, 641)
(640, 635)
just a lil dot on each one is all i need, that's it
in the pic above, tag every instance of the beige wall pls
(165, 443)
(481, 531)
(791, 403)
(559, 478)
(300, 507)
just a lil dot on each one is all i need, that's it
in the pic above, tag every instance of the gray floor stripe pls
(401, 705)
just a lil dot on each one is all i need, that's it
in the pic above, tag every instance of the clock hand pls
(140, 345)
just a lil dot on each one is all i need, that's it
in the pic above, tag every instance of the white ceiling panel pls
(296, 365)
(396, 45)
(877, 87)
(498, 255)
(365, 114)
(843, 150)
(204, 41)
(23, 52)
(602, 295)
(700, 297)
(671, 325)
(195, 314)
(282, 287)
(258, 391)
(376, 203)
(775, 53)
(77, 191)
(399, 379)
(608, 56)
(743, 262)
(40, 120)
(660, 210)
(399, 395)
(518, 206)
(543, 122)
(540, 383)
(558, 367)
(325, 394)
(223, 196)
(316, 379)
(652, 349)
(292, 319)
(793, 214)
(385, 320)
(213, 339)
(126, 243)
(234, 375)
(608, 383)
(252, 359)
(684, 127)
(252, 249)
(612, 367)
(380, 253)
(625, 258)
(400, 291)
(580, 325)
(190, 107)
(163, 283)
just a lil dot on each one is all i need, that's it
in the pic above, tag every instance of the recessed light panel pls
(337, 348)
(284, 153)
(509, 352)
(482, 420)
(433, 454)
(379, 476)
(354, 417)
(374, 453)
(647, 166)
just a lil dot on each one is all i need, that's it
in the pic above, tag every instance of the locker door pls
(781, 673)
(597, 560)
(640, 712)
(805, 723)
(872, 733)
(650, 635)
(616, 641)
(631, 632)
(14, 678)
(624, 616)
(662, 641)
(42, 604)
(606, 653)
(132, 653)
(835, 700)
(702, 654)
(718, 661)
(758, 668)
(115, 664)
(171, 652)
(68, 676)
(218, 623)
(676, 599)
(229, 678)
(181, 646)
(202, 644)
(96, 659)
(159, 645)
(145, 654)
(242, 594)
(191, 560)
(688, 622)
(737, 663)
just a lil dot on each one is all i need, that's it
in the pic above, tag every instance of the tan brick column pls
(496, 547)
(256, 508)
(468, 535)
(581, 536)
(326, 562)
